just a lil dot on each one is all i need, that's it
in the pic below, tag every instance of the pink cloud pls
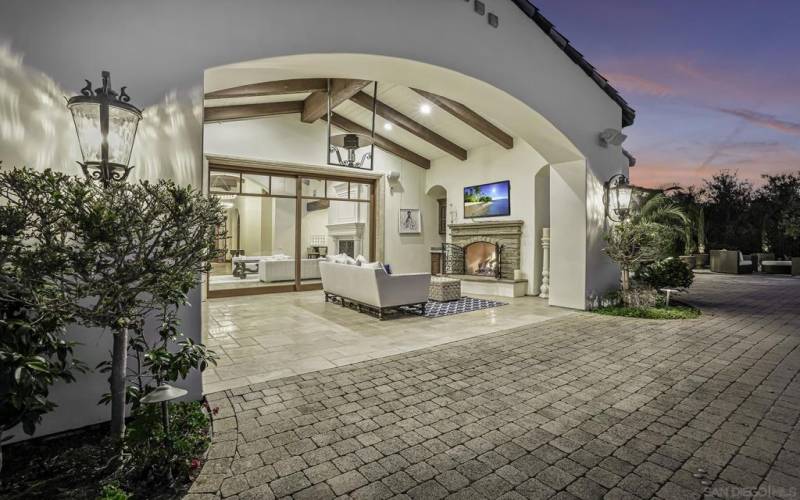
(632, 83)
(764, 120)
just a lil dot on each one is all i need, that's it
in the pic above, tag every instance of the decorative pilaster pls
(544, 290)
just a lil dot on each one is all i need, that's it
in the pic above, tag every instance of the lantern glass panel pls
(624, 193)
(86, 116)
(122, 125)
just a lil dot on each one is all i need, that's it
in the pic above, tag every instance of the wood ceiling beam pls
(244, 111)
(277, 87)
(387, 112)
(380, 141)
(469, 117)
(342, 89)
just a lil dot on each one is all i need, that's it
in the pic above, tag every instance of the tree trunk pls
(626, 280)
(119, 369)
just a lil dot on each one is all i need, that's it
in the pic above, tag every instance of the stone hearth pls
(508, 233)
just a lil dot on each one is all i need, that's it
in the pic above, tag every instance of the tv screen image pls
(487, 200)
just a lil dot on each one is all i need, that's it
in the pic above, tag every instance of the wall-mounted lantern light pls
(106, 124)
(618, 194)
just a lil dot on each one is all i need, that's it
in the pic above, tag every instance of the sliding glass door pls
(279, 225)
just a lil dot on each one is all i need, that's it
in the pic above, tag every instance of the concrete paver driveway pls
(582, 406)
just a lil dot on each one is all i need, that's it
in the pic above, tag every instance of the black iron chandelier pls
(106, 124)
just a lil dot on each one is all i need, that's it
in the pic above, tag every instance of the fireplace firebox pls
(479, 258)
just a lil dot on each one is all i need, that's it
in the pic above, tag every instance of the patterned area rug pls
(463, 305)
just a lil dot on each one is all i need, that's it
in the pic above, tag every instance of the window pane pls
(255, 184)
(359, 191)
(224, 182)
(257, 240)
(337, 189)
(284, 186)
(314, 188)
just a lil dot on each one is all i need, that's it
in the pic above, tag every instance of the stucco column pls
(568, 234)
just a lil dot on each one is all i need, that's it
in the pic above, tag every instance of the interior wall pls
(492, 163)
(283, 226)
(541, 200)
(287, 139)
(36, 131)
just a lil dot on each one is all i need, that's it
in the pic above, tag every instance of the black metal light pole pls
(106, 124)
(618, 192)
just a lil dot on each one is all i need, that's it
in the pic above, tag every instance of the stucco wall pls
(36, 131)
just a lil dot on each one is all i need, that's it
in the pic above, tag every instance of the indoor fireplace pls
(479, 258)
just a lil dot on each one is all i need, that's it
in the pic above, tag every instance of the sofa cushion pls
(372, 265)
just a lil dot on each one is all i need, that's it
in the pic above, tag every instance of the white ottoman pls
(444, 289)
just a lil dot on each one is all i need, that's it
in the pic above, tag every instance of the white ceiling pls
(402, 99)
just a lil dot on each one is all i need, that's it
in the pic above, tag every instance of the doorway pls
(280, 224)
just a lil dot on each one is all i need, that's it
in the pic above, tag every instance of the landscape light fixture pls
(106, 124)
(618, 195)
(163, 394)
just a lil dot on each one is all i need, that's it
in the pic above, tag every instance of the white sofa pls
(270, 270)
(373, 290)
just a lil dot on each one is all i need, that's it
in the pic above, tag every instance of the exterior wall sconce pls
(617, 199)
(106, 124)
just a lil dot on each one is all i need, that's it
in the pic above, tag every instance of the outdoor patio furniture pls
(444, 289)
(730, 262)
(776, 266)
(759, 257)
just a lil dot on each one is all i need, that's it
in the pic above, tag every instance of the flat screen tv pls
(487, 200)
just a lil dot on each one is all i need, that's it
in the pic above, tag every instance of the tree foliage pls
(631, 244)
(125, 255)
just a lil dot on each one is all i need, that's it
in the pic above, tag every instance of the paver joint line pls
(582, 406)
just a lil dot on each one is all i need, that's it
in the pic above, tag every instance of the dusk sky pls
(715, 83)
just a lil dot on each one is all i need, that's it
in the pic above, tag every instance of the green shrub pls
(188, 433)
(113, 492)
(667, 273)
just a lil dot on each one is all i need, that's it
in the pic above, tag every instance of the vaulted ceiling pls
(410, 123)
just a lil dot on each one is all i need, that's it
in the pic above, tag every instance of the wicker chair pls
(730, 262)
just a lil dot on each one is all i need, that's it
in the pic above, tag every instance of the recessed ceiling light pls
(387, 126)
(425, 109)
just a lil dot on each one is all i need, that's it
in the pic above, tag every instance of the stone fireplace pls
(490, 248)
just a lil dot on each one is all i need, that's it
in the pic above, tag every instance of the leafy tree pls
(775, 206)
(631, 244)
(666, 273)
(656, 207)
(728, 220)
(34, 306)
(129, 253)
(140, 249)
(691, 202)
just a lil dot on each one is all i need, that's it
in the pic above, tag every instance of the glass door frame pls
(290, 172)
